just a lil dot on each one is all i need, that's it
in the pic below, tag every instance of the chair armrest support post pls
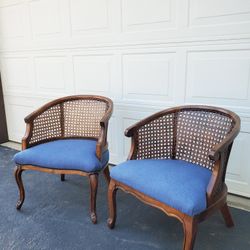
(102, 143)
(218, 174)
(134, 146)
(214, 182)
(220, 154)
(27, 135)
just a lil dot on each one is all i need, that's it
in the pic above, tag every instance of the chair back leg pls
(93, 179)
(62, 177)
(106, 174)
(227, 215)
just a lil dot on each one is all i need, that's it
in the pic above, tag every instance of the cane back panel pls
(186, 135)
(72, 118)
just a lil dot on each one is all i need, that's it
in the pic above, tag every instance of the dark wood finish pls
(106, 174)
(53, 114)
(227, 215)
(18, 176)
(3, 124)
(216, 160)
(93, 179)
(190, 229)
(112, 203)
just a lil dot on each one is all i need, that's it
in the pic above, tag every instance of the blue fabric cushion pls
(75, 154)
(179, 184)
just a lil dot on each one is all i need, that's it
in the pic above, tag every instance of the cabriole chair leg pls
(190, 229)
(18, 176)
(112, 204)
(93, 179)
(227, 215)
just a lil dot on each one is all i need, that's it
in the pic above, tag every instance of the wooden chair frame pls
(216, 191)
(101, 146)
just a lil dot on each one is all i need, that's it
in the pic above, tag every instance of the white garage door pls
(145, 54)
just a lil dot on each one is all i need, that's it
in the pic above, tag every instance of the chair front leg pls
(18, 176)
(93, 179)
(112, 204)
(190, 226)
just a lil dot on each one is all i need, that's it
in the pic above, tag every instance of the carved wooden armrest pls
(218, 149)
(102, 144)
(220, 154)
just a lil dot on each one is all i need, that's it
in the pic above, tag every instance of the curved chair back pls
(69, 117)
(187, 133)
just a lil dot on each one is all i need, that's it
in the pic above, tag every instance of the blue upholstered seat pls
(176, 183)
(75, 154)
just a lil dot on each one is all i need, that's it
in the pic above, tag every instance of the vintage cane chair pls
(177, 163)
(67, 136)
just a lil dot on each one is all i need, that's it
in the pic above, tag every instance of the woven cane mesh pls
(47, 125)
(197, 133)
(155, 139)
(72, 118)
(82, 118)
